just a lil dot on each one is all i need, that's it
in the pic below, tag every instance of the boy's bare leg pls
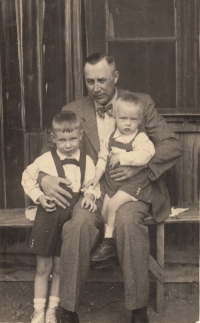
(119, 199)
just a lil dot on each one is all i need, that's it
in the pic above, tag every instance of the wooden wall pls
(40, 71)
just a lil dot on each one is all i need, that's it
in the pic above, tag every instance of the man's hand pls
(51, 188)
(114, 160)
(88, 202)
(122, 173)
(47, 203)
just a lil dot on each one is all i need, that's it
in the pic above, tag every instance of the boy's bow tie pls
(103, 110)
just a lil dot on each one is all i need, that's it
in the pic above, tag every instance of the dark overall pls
(46, 235)
(138, 186)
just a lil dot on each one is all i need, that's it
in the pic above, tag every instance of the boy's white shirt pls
(45, 163)
(143, 150)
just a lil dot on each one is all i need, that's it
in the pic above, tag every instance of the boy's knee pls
(44, 265)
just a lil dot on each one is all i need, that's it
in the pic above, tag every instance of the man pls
(82, 233)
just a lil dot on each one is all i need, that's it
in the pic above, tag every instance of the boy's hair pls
(97, 57)
(66, 121)
(133, 99)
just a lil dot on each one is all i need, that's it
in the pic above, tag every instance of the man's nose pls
(128, 122)
(96, 86)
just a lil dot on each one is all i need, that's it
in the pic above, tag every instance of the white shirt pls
(106, 125)
(45, 163)
(143, 150)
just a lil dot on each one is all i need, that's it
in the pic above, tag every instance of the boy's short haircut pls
(133, 99)
(66, 121)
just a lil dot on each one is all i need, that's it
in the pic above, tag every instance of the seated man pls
(82, 233)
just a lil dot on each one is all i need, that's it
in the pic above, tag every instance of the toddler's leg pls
(107, 248)
(113, 205)
(44, 265)
(51, 313)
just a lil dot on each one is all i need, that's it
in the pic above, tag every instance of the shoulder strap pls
(58, 164)
(111, 140)
(82, 165)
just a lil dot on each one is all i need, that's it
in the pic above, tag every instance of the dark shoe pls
(106, 263)
(106, 250)
(140, 316)
(68, 317)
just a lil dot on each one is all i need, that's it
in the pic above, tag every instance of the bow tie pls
(70, 161)
(109, 110)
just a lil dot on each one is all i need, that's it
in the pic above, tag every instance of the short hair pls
(97, 57)
(66, 121)
(133, 99)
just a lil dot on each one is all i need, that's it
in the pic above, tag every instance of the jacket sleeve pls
(167, 147)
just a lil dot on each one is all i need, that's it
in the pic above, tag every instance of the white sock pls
(54, 301)
(109, 231)
(39, 303)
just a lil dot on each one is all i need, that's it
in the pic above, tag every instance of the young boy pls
(45, 241)
(126, 146)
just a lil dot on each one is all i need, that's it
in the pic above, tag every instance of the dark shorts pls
(46, 235)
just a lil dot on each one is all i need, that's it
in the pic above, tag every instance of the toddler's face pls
(67, 142)
(127, 117)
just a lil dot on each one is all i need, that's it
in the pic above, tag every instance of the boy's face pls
(67, 142)
(127, 117)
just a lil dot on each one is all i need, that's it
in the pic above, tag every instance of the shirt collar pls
(118, 134)
(113, 102)
(75, 155)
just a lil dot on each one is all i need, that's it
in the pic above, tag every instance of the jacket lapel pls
(90, 123)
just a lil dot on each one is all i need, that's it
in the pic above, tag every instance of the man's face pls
(67, 142)
(127, 117)
(100, 80)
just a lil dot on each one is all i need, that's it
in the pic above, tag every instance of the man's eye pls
(101, 81)
(90, 82)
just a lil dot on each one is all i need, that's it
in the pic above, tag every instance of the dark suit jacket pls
(167, 147)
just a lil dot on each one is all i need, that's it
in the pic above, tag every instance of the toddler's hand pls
(93, 182)
(88, 202)
(114, 160)
(47, 203)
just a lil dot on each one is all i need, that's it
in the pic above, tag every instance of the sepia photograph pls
(99, 161)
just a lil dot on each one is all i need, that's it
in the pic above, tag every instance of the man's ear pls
(116, 76)
(52, 137)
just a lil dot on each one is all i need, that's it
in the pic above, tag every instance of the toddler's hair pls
(133, 99)
(66, 121)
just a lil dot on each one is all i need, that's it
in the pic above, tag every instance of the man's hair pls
(66, 121)
(133, 99)
(97, 57)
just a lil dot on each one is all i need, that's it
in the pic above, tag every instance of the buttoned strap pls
(121, 145)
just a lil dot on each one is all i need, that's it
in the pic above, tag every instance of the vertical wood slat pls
(178, 52)
(19, 17)
(77, 42)
(40, 5)
(3, 198)
(12, 103)
(89, 27)
(68, 52)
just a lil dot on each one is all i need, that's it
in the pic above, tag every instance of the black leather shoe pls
(140, 316)
(106, 250)
(68, 317)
